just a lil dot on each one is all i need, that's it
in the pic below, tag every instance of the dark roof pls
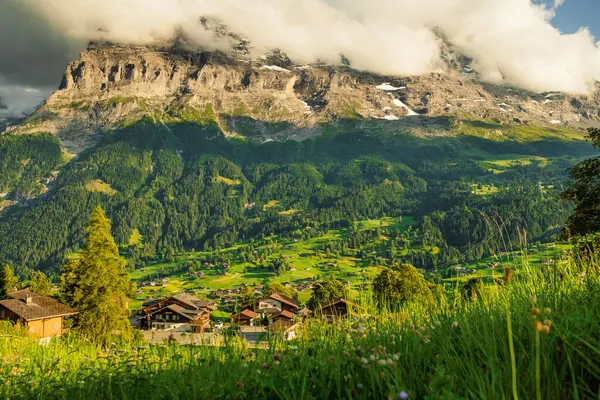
(40, 307)
(285, 314)
(187, 299)
(150, 303)
(21, 294)
(337, 301)
(285, 299)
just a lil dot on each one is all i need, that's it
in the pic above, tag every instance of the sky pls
(574, 14)
(511, 41)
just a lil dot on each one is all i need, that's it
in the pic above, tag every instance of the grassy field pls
(306, 257)
(535, 338)
(493, 266)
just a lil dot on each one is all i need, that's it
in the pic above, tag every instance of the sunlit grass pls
(460, 349)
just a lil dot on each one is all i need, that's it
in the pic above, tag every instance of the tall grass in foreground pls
(484, 349)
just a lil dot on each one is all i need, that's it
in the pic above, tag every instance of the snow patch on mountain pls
(400, 104)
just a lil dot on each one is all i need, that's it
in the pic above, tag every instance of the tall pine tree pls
(8, 281)
(97, 285)
(39, 283)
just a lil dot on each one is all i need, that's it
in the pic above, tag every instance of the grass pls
(484, 190)
(227, 181)
(520, 133)
(97, 186)
(306, 257)
(461, 349)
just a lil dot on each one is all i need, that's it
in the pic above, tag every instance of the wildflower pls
(276, 363)
(403, 395)
(454, 324)
(266, 366)
(545, 329)
(359, 386)
(538, 325)
(533, 299)
(389, 361)
(548, 323)
(250, 354)
(381, 362)
(372, 357)
(346, 354)
(535, 312)
(240, 385)
(364, 361)
(393, 343)
(276, 356)
(547, 311)
(396, 357)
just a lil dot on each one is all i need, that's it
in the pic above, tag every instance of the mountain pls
(112, 86)
(195, 150)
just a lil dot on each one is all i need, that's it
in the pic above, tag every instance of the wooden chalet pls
(180, 313)
(244, 318)
(43, 316)
(337, 309)
(274, 305)
(284, 319)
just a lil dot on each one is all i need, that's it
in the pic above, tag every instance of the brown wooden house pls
(274, 305)
(337, 309)
(181, 313)
(284, 319)
(43, 316)
(244, 318)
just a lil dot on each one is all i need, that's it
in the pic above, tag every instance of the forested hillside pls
(182, 187)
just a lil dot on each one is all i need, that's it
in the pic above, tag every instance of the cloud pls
(511, 41)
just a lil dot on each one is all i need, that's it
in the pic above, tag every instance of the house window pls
(2, 313)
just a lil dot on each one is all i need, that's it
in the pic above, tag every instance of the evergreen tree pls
(8, 281)
(39, 283)
(584, 192)
(97, 285)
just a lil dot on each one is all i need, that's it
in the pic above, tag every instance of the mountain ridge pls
(111, 86)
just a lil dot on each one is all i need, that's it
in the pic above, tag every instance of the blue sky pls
(576, 13)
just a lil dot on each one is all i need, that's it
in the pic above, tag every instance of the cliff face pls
(111, 86)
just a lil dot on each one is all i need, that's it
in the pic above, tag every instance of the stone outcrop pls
(111, 86)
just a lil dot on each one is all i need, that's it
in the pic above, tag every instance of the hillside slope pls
(200, 151)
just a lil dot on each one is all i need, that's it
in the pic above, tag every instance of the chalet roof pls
(285, 299)
(187, 299)
(305, 312)
(21, 294)
(285, 314)
(40, 307)
(338, 301)
(184, 312)
(246, 314)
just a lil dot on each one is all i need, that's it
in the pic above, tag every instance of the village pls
(180, 318)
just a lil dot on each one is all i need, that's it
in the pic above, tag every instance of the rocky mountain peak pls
(112, 85)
